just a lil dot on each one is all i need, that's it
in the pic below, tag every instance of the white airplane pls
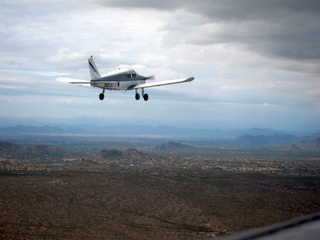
(120, 79)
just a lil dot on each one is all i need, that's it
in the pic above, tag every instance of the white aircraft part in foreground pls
(120, 80)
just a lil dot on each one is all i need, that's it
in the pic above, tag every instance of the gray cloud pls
(287, 28)
(224, 10)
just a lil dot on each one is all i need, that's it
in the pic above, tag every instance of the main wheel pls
(137, 96)
(101, 96)
(146, 97)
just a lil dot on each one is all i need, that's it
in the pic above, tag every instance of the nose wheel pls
(144, 95)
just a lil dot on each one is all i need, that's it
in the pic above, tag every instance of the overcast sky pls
(256, 63)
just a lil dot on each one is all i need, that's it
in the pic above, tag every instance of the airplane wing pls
(306, 227)
(161, 83)
(73, 81)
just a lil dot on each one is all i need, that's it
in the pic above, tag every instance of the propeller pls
(151, 77)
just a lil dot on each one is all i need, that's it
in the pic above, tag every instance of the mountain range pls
(252, 138)
(141, 130)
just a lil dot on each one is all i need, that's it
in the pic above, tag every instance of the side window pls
(128, 74)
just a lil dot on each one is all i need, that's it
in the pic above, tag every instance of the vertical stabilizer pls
(94, 73)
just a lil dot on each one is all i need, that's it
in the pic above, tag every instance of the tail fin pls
(94, 73)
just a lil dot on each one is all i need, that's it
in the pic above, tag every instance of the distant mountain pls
(262, 140)
(138, 130)
(310, 142)
(252, 138)
(289, 147)
(261, 131)
(43, 129)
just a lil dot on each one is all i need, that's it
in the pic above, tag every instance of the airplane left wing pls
(162, 83)
(73, 81)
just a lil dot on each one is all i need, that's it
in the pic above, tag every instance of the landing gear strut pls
(144, 95)
(101, 95)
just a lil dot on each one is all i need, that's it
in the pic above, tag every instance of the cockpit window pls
(132, 74)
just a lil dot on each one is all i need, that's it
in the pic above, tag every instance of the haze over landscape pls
(255, 64)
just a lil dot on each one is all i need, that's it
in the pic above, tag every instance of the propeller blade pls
(150, 77)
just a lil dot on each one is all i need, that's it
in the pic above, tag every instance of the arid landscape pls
(113, 189)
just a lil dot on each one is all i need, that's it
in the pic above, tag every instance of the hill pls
(112, 154)
(30, 152)
(310, 142)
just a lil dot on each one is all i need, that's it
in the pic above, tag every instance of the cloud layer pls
(255, 63)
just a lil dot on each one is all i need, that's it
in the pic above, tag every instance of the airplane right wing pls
(162, 83)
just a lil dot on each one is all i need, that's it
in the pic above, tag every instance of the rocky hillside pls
(311, 142)
(22, 152)
(112, 154)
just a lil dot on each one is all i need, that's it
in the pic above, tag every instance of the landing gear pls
(137, 95)
(101, 95)
(144, 95)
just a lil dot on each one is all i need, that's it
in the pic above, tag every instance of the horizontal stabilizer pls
(162, 83)
(73, 81)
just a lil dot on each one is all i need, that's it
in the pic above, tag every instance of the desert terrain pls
(161, 191)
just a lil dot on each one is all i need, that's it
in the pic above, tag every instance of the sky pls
(255, 63)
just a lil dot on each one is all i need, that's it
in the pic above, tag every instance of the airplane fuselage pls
(124, 80)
